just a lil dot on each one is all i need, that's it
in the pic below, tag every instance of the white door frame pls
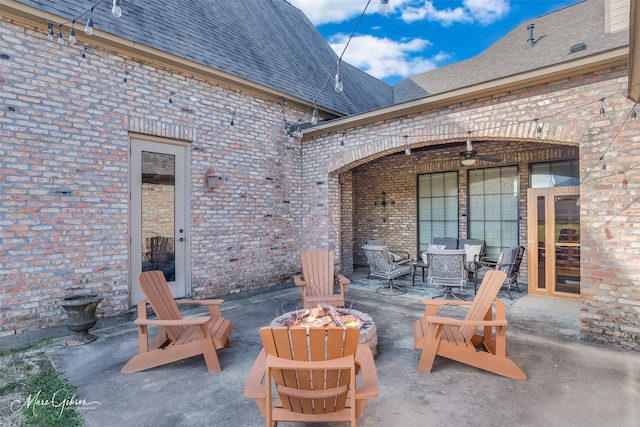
(179, 149)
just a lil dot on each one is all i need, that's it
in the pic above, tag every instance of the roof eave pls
(585, 64)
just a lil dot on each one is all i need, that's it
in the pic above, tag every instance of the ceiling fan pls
(470, 155)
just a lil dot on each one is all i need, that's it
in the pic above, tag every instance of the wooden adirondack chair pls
(458, 339)
(318, 279)
(314, 371)
(178, 337)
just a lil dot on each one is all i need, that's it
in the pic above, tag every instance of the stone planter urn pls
(81, 316)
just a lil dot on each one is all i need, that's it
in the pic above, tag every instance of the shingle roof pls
(554, 33)
(269, 42)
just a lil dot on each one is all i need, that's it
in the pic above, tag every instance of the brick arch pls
(552, 134)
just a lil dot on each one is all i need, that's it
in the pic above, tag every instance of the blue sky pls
(418, 35)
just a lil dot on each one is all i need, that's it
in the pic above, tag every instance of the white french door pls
(158, 214)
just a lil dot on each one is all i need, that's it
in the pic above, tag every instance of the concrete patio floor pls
(571, 383)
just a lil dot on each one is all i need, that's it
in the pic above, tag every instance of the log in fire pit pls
(326, 315)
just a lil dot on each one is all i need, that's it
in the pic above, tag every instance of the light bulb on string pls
(124, 79)
(50, 35)
(88, 29)
(538, 128)
(72, 34)
(314, 116)
(633, 111)
(407, 150)
(602, 106)
(604, 164)
(116, 10)
(384, 8)
(338, 87)
(84, 54)
(233, 115)
(60, 38)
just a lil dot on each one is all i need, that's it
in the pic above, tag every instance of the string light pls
(60, 38)
(337, 65)
(604, 164)
(72, 34)
(124, 79)
(407, 150)
(116, 10)
(338, 87)
(233, 114)
(602, 106)
(384, 8)
(314, 116)
(633, 111)
(170, 95)
(538, 128)
(88, 29)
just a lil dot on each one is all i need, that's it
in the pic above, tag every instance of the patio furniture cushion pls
(473, 253)
(433, 247)
(448, 242)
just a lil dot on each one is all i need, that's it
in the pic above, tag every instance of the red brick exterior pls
(66, 127)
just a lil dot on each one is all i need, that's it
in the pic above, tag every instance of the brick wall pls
(64, 169)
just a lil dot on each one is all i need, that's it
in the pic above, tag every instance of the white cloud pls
(482, 11)
(335, 11)
(326, 11)
(488, 11)
(383, 57)
(446, 16)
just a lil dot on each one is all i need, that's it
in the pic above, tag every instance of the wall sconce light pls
(211, 179)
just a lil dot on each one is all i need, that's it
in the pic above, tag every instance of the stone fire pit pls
(333, 316)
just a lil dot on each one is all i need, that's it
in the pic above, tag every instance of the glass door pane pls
(158, 213)
(542, 247)
(567, 244)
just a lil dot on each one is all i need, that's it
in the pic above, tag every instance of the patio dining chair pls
(509, 261)
(381, 265)
(447, 269)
